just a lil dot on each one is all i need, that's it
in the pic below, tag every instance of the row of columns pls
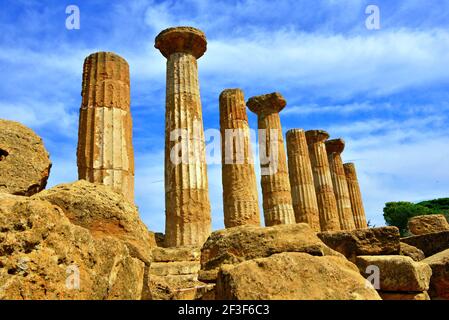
(313, 186)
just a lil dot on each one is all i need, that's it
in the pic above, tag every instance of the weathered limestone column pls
(355, 196)
(334, 149)
(187, 207)
(240, 198)
(105, 152)
(304, 199)
(327, 204)
(277, 198)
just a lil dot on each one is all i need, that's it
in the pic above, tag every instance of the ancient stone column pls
(187, 207)
(277, 198)
(304, 199)
(105, 152)
(334, 149)
(240, 198)
(355, 196)
(327, 204)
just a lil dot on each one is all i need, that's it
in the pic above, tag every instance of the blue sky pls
(386, 92)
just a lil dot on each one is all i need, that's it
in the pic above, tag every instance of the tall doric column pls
(327, 204)
(187, 206)
(356, 196)
(240, 199)
(334, 149)
(277, 198)
(105, 152)
(301, 179)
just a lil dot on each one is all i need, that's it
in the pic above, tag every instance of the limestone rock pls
(104, 213)
(430, 243)
(293, 276)
(428, 224)
(439, 283)
(163, 288)
(397, 273)
(24, 161)
(374, 241)
(404, 296)
(412, 252)
(176, 254)
(41, 252)
(234, 245)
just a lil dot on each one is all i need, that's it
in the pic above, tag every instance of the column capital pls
(226, 93)
(266, 103)
(335, 146)
(313, 136)
(181, 39)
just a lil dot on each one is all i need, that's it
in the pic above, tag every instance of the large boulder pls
(439, 283)
(428, 224)
(430, 243)
(412, 252)
(237, 244)
(24, 161)
(374, 241)
(104, 213)
(293, 276)
(45, 256)
(397, 273)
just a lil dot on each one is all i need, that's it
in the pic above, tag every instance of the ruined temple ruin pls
(334, 149)
(327, 203)
(240, 198)
(105, 152)
(277, 199)
(301, 179)
(355, 196)
(187, 207)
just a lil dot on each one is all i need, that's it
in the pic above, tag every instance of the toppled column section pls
(334, 149)
(240, 199)
(304, 199)
(187, 206)
(327, 204)
(355, 196)
(277, 199)
(105, 152)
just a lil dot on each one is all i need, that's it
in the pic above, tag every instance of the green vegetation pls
(398, 213)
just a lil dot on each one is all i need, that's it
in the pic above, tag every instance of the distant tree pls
(438, 205)
(398, 213)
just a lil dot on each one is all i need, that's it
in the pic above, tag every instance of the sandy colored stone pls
(187, 205)
(40, 247)
(105, 152)
(104, 213)
(397, 273)
(174, 268)
(176, 254)
(439, 283)
(355, 196)
(304, 199)
(164, 288)
(293, 276)
(24, 161)
(327, 203)
(234, 245)
(276, 192)
(240, 197)
(334, 149)
(428, 224)
(412, 252)
(429, 243)
(374, 241)
(404, 296)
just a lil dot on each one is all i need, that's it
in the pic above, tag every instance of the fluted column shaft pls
(105, 153)
(334, 149)
(277, 199)
(187, 206)
(355, 196)
(240, 198)
(327, 204)
(304, 198)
